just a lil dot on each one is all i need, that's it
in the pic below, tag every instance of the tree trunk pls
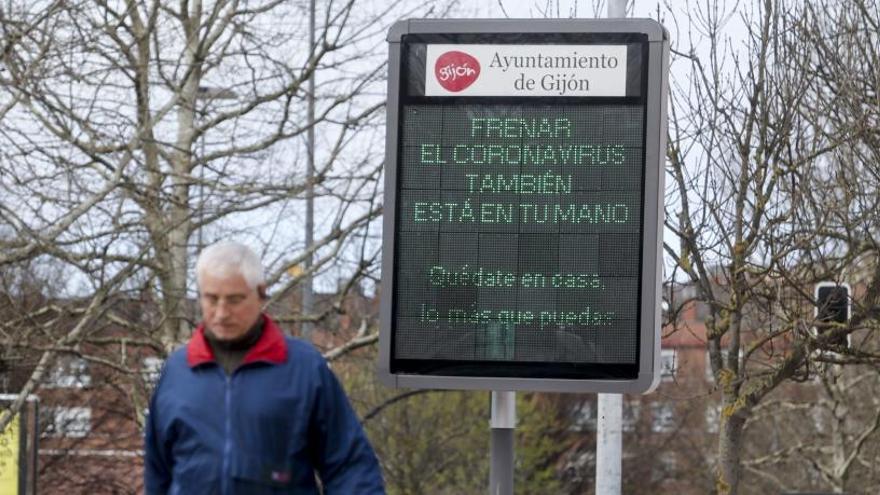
(729, 451)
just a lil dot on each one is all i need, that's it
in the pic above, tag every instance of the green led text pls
(469, 276)
(517, 128)
(547, 183)
(527, 213)
(522, 154)
(476, 315)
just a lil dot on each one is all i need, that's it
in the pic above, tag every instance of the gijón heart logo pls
(456, 70)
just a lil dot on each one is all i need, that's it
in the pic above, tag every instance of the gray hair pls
(228, 258)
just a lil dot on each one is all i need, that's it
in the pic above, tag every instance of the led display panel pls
(522, 205)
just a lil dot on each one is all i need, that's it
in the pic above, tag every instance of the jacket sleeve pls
(345, 460)
(157, 458)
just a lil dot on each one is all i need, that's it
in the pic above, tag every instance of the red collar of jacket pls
(270, 347)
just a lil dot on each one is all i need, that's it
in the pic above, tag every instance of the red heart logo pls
(456, 70)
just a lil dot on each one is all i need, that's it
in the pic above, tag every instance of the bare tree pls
(135, 132)
(824, 438)
(839, 205)
(758, 209)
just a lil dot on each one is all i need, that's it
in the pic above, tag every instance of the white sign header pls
(525, 70)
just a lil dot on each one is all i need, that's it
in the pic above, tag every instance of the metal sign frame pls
(655, 127)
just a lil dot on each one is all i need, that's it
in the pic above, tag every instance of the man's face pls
(230, 307)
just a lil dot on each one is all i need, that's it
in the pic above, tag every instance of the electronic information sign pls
(523, 204)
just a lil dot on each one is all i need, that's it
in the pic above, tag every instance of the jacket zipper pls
(227, 441)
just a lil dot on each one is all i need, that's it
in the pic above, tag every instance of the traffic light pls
(833, 305)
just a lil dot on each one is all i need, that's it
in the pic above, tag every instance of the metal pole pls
(609, 444)
(35, 445)
(200, 242)
(501, 443)
(609, 434)
(307, 296)
(617, 8)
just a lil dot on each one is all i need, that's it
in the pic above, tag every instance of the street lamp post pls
(307, 284)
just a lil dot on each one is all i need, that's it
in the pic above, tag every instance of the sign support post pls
(609, 444)
(503, 424)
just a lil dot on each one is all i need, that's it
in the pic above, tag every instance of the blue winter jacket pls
(268, 428)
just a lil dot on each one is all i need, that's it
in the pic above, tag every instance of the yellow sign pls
(9, 456)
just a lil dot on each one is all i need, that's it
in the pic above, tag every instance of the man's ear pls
(261, 291)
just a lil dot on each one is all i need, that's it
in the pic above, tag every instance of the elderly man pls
(242, 409)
